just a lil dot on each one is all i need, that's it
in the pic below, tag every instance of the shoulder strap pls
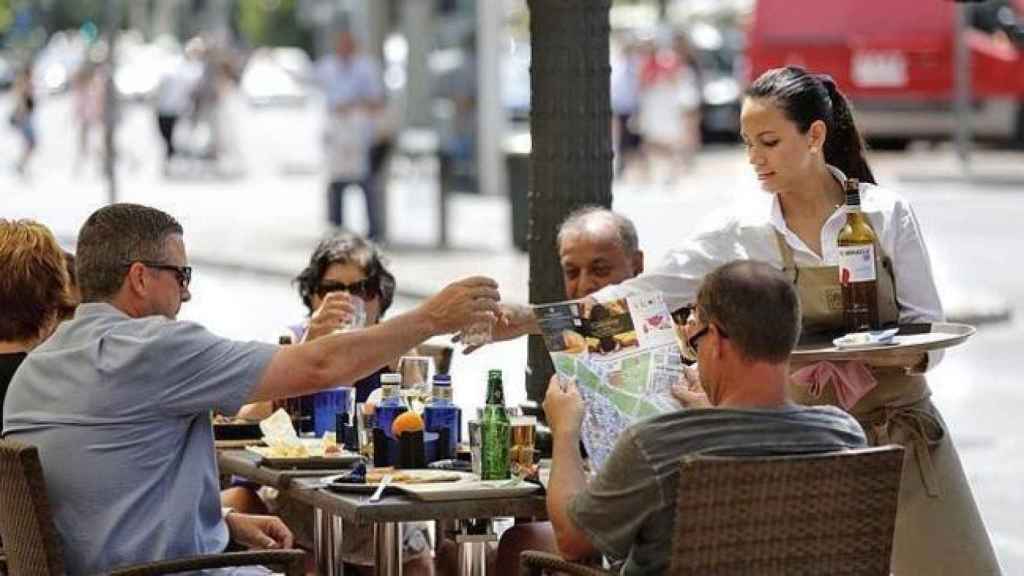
(788, 264)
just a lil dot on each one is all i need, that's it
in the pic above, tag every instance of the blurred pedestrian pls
(668, 98)
(174, 96)
(625, 101)
(225, 117)
(354, 93)
(23, 116)
(87, 92)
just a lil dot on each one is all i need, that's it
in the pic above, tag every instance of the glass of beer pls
(521, 449)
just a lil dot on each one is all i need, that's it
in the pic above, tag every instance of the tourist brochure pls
(624, 356)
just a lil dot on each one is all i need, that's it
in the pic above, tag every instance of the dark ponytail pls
(805, 98)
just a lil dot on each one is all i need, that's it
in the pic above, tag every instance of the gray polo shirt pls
(628, 509)
(120, 411)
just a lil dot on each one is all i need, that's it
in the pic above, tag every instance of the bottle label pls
(443, 393)
(857, 264)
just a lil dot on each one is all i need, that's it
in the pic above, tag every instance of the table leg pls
(327, 534)
(472, 538)
(387, 542)
(323, 543)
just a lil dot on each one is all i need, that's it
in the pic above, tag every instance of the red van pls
(894, 59)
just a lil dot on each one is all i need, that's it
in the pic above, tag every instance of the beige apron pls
(938, 528)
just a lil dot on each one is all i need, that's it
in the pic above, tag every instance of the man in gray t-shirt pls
(744, 326)
(118, 400)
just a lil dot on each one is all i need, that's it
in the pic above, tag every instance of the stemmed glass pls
(416, 372)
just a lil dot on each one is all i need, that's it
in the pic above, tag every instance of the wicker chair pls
(32, 544)
(831, 513)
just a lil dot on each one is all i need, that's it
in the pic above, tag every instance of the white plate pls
(474, 490)
(424, 474)
(857, 340)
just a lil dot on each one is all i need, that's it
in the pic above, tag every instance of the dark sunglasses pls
(365, 289)
(690, 349)
(183, 273)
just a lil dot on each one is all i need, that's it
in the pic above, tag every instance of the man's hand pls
(462, 303)
(688, 391)
(563, 407)
(257, 532)
(335, 310)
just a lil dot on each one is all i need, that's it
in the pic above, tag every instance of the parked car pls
(894, 60)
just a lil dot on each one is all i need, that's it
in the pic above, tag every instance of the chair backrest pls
(30, 537)
(831, 513)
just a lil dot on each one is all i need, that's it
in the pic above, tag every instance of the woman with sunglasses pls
(342, 267)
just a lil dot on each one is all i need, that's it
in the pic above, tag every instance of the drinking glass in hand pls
(358, 319)
(478, 333)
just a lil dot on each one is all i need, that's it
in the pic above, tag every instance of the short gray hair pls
(755, 305)
(577, 221)
(112, 238)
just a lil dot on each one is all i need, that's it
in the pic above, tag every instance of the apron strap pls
(921, 427)
(788, 264)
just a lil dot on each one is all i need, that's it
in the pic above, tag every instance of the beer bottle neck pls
(495, 393)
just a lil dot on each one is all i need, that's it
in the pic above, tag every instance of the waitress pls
(802, 143)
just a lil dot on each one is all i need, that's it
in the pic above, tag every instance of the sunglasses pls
(183, 273)
(365, 289)
(693, 341)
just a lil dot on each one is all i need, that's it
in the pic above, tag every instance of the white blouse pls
(747, 231)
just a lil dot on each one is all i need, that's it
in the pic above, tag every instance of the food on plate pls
(287, 450)
(408, 421)
(411, 476)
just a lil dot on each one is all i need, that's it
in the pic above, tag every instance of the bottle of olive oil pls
(857, 274)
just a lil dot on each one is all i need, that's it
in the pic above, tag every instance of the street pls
(248, 235)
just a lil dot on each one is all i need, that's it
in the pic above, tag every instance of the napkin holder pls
(410, 450)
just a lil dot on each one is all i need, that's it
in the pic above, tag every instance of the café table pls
(386, 515)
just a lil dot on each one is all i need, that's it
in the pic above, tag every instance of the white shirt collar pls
(778, 221)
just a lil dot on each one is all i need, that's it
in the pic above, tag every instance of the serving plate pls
(316, 460)
(457, 478)
(909, 339)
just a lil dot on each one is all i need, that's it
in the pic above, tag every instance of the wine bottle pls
(857, 274)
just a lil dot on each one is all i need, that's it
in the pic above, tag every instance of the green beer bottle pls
(494, 432)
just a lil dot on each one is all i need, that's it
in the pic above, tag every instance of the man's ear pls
(638, 263)
(136, 280)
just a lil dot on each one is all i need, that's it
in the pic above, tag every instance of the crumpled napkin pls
(851, 380)
(279, 434)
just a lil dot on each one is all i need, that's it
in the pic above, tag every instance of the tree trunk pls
(570, 128)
